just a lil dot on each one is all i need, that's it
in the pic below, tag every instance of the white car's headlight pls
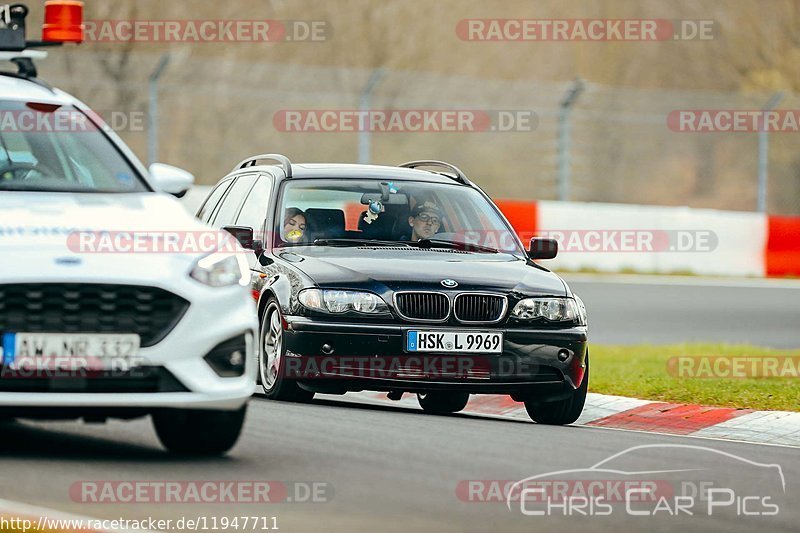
(338, 301)
(221, 269)
(550, 309)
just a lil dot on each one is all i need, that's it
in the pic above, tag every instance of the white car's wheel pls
(199, 432)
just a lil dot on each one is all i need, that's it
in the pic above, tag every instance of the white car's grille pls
(92, 308)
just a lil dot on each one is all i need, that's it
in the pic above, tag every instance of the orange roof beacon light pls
(63, 21)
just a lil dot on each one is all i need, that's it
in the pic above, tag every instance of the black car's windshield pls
(48, 147)
(328, 212)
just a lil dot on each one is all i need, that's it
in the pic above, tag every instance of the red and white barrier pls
(782, 253)
(661, 239)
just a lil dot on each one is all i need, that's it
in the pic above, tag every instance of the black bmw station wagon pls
(400, 279)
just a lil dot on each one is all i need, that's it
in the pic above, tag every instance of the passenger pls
(425, 221)
(294, 224)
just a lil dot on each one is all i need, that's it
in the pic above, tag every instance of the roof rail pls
(286, 165)
(457, 175)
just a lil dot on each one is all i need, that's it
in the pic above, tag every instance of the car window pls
(376, 209)
(212, 200)
(51, 147)
(254, 209)
(229, 208)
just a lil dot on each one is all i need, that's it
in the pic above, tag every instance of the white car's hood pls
(40, 235)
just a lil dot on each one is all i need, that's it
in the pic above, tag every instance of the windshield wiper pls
(357, 242)
(468, 247)
(422, 243)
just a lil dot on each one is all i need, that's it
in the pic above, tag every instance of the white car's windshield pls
(48, 147)
(334, 211)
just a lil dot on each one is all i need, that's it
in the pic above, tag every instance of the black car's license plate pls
(454, 341)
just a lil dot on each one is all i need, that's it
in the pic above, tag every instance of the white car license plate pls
(454, 341)
(27, 346)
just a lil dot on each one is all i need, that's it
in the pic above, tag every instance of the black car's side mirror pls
(543, 249)
(244, 235)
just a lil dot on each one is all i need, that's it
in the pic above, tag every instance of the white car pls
(131, 329)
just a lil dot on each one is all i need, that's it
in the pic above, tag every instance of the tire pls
(198, 432)
(271, 359)
(564, 411)
(439, 402)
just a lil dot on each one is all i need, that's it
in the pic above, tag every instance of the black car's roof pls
(344, 171)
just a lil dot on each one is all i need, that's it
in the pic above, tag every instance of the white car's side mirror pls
(172, 180)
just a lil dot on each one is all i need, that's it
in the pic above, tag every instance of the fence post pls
(152, 109)
(763, 152)
(364, 102)
(564, 137)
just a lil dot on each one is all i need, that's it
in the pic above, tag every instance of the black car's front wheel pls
(564, 411)
(272, 359)
(440, 402)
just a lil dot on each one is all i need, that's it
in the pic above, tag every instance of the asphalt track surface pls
(397, 469)
(668, 310)
(390, 469)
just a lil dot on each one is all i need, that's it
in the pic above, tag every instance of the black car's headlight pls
(549, 309)
(581, 310)
(339, 301)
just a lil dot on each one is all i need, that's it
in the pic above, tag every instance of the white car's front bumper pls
(215, 315)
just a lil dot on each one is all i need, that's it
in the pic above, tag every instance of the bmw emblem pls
(449, 283)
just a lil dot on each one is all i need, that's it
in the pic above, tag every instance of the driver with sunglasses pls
(425, 220)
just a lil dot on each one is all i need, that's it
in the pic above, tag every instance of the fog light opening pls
(228, 359)
(563, 355)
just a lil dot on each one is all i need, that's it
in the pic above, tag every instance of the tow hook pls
(395, 395)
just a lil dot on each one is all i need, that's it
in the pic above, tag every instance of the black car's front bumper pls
(334, 356)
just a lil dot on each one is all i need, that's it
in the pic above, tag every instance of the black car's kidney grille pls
(423, 305)
(479, 307)
(90, 308)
